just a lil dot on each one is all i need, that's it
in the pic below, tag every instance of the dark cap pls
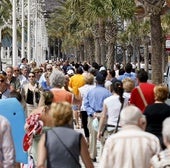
(100, 78)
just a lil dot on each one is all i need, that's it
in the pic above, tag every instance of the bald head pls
(132, 115)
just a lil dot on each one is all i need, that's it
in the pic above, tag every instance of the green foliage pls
(5, 11)
(74, 19)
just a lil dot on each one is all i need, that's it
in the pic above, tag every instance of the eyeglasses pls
(16, 70)
(1, 80)
(49, 69)
(31, 76)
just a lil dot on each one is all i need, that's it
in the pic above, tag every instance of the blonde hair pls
(161, 92)
(61, 112)
(128, 84)
(89, 79)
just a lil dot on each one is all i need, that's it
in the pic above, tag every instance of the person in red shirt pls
(146, 91)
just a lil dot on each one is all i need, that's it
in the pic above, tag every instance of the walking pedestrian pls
(93, 104)
(7, 150)
(142, 95)
(131, 147)
(61, 146)
(157, 112)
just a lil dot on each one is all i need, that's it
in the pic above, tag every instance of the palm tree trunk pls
(124, 54)
(81, 52)
(102, 40)
(89, 45)
(156, 40)
(97, 52)
(110, 35)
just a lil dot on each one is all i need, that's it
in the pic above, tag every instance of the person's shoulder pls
(120, 77)
(133, 74)
(134, 90)
(161, 159)
(151, 137)
(107, 99)
(25, 85)
(82, 87)
(14, 79)
(147, 84)
(4, 121)
(2, 118)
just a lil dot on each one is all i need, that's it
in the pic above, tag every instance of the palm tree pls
(93, 22)
(5, 14)
(5, 10)
(154, 8)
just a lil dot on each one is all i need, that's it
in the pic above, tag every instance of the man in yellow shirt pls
(76, 81)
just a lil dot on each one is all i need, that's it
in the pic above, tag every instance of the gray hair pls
(130, 115)
(57, 79)
(166, 128)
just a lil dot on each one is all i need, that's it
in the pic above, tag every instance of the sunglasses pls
(1, 80)
(31, 76)
(17, 70)
(50, 69)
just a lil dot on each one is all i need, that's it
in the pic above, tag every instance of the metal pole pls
(14, 35)
(28, 34)
(35, 31)
(22, 42)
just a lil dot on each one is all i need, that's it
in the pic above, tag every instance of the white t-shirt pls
(83, 92)
(113, 105)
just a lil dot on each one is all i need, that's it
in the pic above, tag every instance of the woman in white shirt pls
(112, 107)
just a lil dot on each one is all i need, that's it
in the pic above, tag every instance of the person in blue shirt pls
(128, 73)
(93, 104)
(46, 84)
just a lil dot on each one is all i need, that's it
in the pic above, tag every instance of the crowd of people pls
(117, 107)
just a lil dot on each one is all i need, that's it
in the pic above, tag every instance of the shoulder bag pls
(142, 96)
(117, 125)
(68, 150)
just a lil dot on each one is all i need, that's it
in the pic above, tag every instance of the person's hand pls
(98, 115)
(99, 135)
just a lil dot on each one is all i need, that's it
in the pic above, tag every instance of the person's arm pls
(85, 154)
(87, 106)
(102, 121)
(133, 96)
(42, 153)
(42, 100)
(8, 149)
